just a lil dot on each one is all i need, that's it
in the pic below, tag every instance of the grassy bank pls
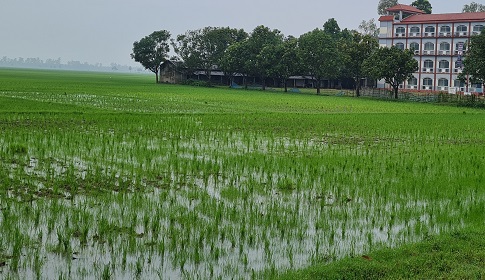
(456, 255)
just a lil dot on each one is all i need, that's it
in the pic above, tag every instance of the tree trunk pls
(208, 73)
(357, 87)
(286, 87)
(263, 83)
(318, 86)
(396, 91)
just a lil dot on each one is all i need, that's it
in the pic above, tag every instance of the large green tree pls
(152, 50)
(423, 5)
(473, 7)
(187, 47)
(391, 64)
(286, 59)
(384, 5)
(474, 62)
(355, 50)
(319, 55)
(262, 42)
(204, 48)
(234, 60)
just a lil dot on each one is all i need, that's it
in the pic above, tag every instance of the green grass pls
(110, 175)
(456, 255)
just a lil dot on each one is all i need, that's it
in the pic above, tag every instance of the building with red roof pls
(439, 42)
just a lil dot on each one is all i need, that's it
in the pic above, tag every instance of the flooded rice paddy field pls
(122, 194)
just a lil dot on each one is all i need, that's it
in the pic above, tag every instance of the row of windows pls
(429, 46)
(442, 64)
(442, 82)
(442, 29)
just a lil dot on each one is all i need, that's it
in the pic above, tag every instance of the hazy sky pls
(104, 30)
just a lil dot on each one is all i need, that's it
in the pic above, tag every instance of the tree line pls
(323, 53)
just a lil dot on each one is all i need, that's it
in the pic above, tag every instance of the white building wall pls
(452, 34)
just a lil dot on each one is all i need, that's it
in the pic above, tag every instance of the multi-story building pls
(439, 42)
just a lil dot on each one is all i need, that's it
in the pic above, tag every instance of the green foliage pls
(262, 44)
(197, 83)
(319, 55)
(473, 7)
(423, 5)
(369, 28)
(331, 27)
(204, 48)
(355, 51)
(458, 255)
(265, 53)
(152, 50)
(18, 149)
(285, 60)
(384, 5)
(234, 59)
(474, 62)
(391, 64)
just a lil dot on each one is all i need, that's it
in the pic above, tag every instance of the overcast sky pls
(104, 30)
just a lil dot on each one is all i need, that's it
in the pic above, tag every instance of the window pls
(400, 46)
(413, 81)
(459, 84)
(457, 46)
(429, 29)
(427, 82)
(462, 28)
(444, 46)
(478, 28)
(400, 30)
(428, 64)
(443, 82)
(445, 29)
(414, 46)
(414, 29)
(458, 64)
(444, 64)
(429, 46)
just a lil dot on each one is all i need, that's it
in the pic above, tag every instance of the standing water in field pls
(116, 182)
(185, 201)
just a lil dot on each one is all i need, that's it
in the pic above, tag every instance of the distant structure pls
(173, 72)
(439, 42)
